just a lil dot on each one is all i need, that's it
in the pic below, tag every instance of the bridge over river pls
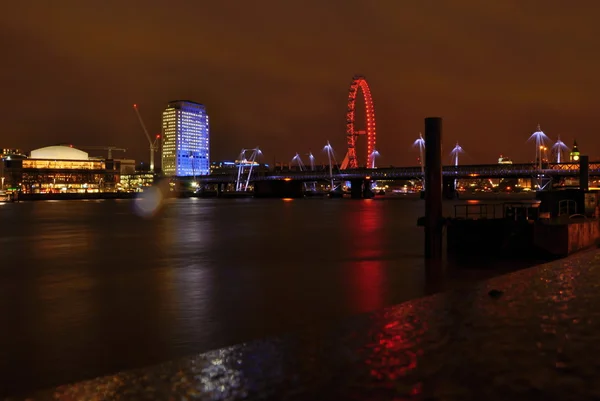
(292, 183)
(526, 170)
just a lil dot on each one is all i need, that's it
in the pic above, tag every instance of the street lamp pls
(374, 154)
(543, 149)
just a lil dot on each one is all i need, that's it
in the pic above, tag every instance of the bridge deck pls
(526, 170)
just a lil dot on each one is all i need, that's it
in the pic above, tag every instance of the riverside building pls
(59, 169)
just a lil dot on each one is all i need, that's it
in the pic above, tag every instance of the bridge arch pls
(351, 159)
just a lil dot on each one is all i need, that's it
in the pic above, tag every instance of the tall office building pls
(185, 149)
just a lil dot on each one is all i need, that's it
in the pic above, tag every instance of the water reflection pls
(55, 292)
(200, 274)
(368, 278)
(366, 271)
(369, 358)
(54, 239)
(188, 285)
(187, 227)
(366, 229)
(443, 346)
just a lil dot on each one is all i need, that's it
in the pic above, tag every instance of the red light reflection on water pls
(366, 230)
(366, 272)
(368, 280)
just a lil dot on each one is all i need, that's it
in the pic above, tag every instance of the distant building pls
(10, 151)
(219, 166)
(124, 166)
(130, 179)
(186, 147)
(574, 155)
(59, 169)
(504, 160)
(8, 154)
(230, 165)
(135, 182)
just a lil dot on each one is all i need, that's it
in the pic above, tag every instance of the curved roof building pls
(59, 153)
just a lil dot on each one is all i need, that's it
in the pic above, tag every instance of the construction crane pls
(107, 148)
(153, 144)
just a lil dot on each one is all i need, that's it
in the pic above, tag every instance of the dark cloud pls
(275, 73)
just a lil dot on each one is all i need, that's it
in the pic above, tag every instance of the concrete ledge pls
(536, 336)
(565, 239)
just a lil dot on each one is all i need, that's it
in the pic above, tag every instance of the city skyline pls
(282, 84)
(553, 152)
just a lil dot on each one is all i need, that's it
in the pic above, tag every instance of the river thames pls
(89, 288)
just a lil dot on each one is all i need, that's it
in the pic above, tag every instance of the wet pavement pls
(529, 335)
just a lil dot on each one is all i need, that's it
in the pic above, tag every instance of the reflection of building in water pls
(59, 169)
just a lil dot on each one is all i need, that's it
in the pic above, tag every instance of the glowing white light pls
(420, 143)
(312, 161)
(455, 152)
(298, 160)
(374, 154)
(540, 144)
(330, 156)
(558, 148)
(148, 202)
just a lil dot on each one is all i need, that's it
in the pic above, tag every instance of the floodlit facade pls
(59, 169)
(185, 150)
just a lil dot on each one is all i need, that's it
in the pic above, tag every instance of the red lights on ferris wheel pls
(360, 82)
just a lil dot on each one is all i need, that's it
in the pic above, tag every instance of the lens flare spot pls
(148, 202)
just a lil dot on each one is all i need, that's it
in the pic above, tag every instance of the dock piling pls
(433, 185)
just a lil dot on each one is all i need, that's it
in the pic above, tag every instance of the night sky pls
(275, 73)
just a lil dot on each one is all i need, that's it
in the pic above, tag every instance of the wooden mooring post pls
(434, 268)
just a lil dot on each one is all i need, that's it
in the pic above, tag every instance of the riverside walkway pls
(529, 335)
